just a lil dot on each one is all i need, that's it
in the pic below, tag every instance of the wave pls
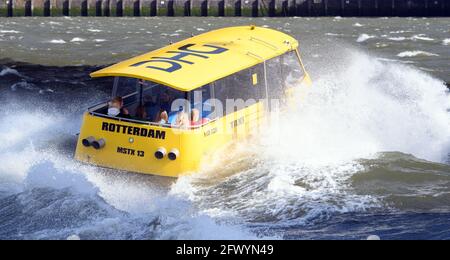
(57, 41)
(397, 38)
(39, 180)
(10, 31)
(7, 71)
(311, 164)
(301, 172)
(364, 37)
(415, 54)
(77, 39)
(421, 37)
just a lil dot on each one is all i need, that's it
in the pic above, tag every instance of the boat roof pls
(202, 59)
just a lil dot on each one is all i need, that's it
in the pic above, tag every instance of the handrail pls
(148, 122)
(255, 55)
(264, 42)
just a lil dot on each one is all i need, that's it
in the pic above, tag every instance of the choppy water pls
(366, 153)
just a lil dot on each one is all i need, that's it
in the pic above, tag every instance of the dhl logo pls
(175, 62)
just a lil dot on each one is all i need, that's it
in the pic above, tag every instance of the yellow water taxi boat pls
(172, 107)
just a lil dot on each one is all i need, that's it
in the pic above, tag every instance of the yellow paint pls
(193, 144)
(255, 78)
(245, 46)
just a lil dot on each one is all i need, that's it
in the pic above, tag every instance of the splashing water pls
(299, 171)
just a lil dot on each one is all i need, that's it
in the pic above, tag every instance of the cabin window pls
(241, 86)
(282, 72)
(275, 81)
(144, 100)
(201, 99)
(156, 98)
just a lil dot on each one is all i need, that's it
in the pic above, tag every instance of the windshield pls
(148, 101)
(292, 71)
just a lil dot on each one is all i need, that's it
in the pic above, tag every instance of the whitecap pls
(397, 38)
(23, 85)
(9, 31)
(387, 60)
(59, 41)
(7, 71)
(94, 30)
(446, 41)
(99, 40)
(77, 39)
(358, 25)
(54, 23)
(200, 29)
(421, 37)
(415, 53)
(334, 34)
(364, 37)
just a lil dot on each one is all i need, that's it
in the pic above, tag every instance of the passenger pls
(141, 114)
(182, 120)
(162, 118)
(195, 118)
(115, 108)
(151, 107)
(165, 101)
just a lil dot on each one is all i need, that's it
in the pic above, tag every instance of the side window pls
(245, 85)
(223, 89)
(201, 100)
(275, 82)
(257, 88)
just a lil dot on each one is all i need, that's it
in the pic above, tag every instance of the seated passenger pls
(195, 118)
(182, 120)
(141, 114)
(165, 100)
(151, 107)
(115, 108)
(162, 118)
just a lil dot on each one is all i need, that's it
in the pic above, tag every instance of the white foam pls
(302, 166)
(7, 71)
(446, 41)
(57, 41)
(77, 39)
(73, 237)
(357, 25)
(9, 31)
(415, 54)
(99, 40)
(364, 37)
(373, 237)
(334, 34)
(421, 37)
(399, 32)
(397, 38)
(94, 30)
(54, 23)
